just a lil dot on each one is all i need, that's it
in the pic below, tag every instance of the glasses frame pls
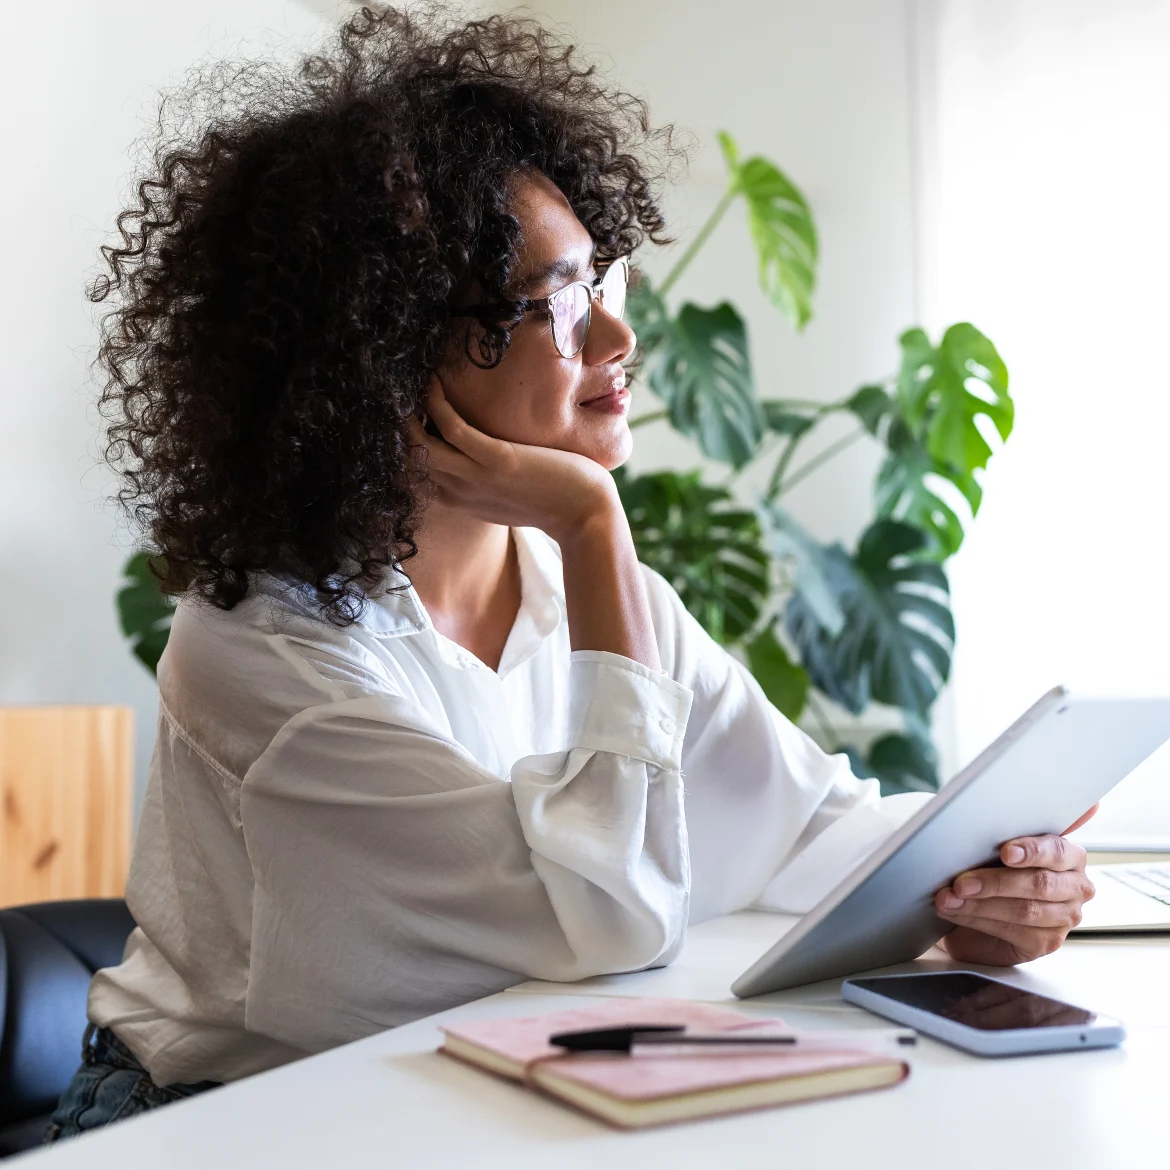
(545, 304)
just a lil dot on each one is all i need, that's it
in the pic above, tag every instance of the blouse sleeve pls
(421, 878)
(774, 821)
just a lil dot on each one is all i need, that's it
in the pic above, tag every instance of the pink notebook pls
(640, 1090)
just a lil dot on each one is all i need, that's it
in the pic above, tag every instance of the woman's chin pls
(610, 446)
(615, 453)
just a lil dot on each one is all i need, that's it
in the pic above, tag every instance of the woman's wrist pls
(605, 593)
(599, 517)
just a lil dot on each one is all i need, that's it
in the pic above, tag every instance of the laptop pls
(1134, 897)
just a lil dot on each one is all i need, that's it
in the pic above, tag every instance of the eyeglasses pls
(570, 309)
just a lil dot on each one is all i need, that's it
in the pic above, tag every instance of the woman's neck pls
(467, 575)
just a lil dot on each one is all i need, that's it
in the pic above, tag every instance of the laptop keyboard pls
(1151, 880)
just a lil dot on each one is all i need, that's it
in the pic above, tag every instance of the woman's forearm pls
(604, 590)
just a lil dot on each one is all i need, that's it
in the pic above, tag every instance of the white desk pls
(392, 1102)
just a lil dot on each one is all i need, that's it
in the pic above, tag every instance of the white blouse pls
(347, 829)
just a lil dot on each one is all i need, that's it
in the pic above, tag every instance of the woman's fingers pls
(1082, 819)
(441, 457)
(416, 436)
(1022, 911)
(1045, 885)
(510, 482)
(1051, 851)
(455, 429)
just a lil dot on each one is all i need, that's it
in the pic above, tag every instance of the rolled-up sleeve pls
(423, 879)
(774, 822)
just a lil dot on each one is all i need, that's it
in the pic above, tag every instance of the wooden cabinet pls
(66, 777)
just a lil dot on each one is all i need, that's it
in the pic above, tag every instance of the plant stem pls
(815, 462)
(781, 467)
(810, 404)
(649, 417)
(704, 233)
(832, 743)
(820, 409)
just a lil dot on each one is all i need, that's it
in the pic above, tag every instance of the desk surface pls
(392, 1100)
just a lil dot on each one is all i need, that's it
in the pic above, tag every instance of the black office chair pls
(48, 952)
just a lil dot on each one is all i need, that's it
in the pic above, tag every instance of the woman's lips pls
(614, 402)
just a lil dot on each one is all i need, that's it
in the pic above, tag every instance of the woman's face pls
(534, 395)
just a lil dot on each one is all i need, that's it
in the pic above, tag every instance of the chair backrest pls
(48, 953)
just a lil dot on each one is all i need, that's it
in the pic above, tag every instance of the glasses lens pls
(613, 287)
(570, 311)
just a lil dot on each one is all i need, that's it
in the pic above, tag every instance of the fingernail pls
(1013, 854)
(968, 886)
(950, 902)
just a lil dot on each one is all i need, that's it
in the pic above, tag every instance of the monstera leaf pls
(823, 573)
(144, 612)
(784, 682)
(943, 391)
(647, 315)
(907, 489)
(907, 485)
(904, 763)
(896, 642)
(873, 408)
(900, 763)
(782, 228)
(838, 670)
(703, 544)
(698, 364)
(782, 421)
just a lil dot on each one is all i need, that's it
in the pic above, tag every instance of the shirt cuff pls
(618, 705)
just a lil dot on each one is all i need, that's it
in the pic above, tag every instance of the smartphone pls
(986, 1016)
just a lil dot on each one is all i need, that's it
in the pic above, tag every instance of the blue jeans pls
(110, 1085)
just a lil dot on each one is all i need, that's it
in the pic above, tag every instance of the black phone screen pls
(977, 1002)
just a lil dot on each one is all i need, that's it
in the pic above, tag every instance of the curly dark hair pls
(287, 277)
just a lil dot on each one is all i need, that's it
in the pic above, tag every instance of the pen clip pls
(610, 1039)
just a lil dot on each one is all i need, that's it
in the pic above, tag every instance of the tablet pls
(1052, 764)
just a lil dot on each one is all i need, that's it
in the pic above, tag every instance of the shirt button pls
(667, 725)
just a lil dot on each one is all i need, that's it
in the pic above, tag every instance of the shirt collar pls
(398, 611)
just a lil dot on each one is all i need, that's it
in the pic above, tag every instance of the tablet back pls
(1055, 762)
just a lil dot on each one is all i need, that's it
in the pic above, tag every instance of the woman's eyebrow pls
(563, 269)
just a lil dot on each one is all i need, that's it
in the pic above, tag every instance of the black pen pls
(636, 1037)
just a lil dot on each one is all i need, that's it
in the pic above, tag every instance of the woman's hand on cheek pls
(1020, 912)
(509, 483)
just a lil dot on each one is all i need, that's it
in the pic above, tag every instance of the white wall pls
(75, 86)
(1048, 166)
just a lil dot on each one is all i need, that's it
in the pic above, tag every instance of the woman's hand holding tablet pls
(1022, 911)
(1060, 756)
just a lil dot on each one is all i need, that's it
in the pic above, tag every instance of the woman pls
(425, 721)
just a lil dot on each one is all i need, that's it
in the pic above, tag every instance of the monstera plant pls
(812, 621)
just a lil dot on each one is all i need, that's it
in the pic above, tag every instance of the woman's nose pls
(610, 339)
